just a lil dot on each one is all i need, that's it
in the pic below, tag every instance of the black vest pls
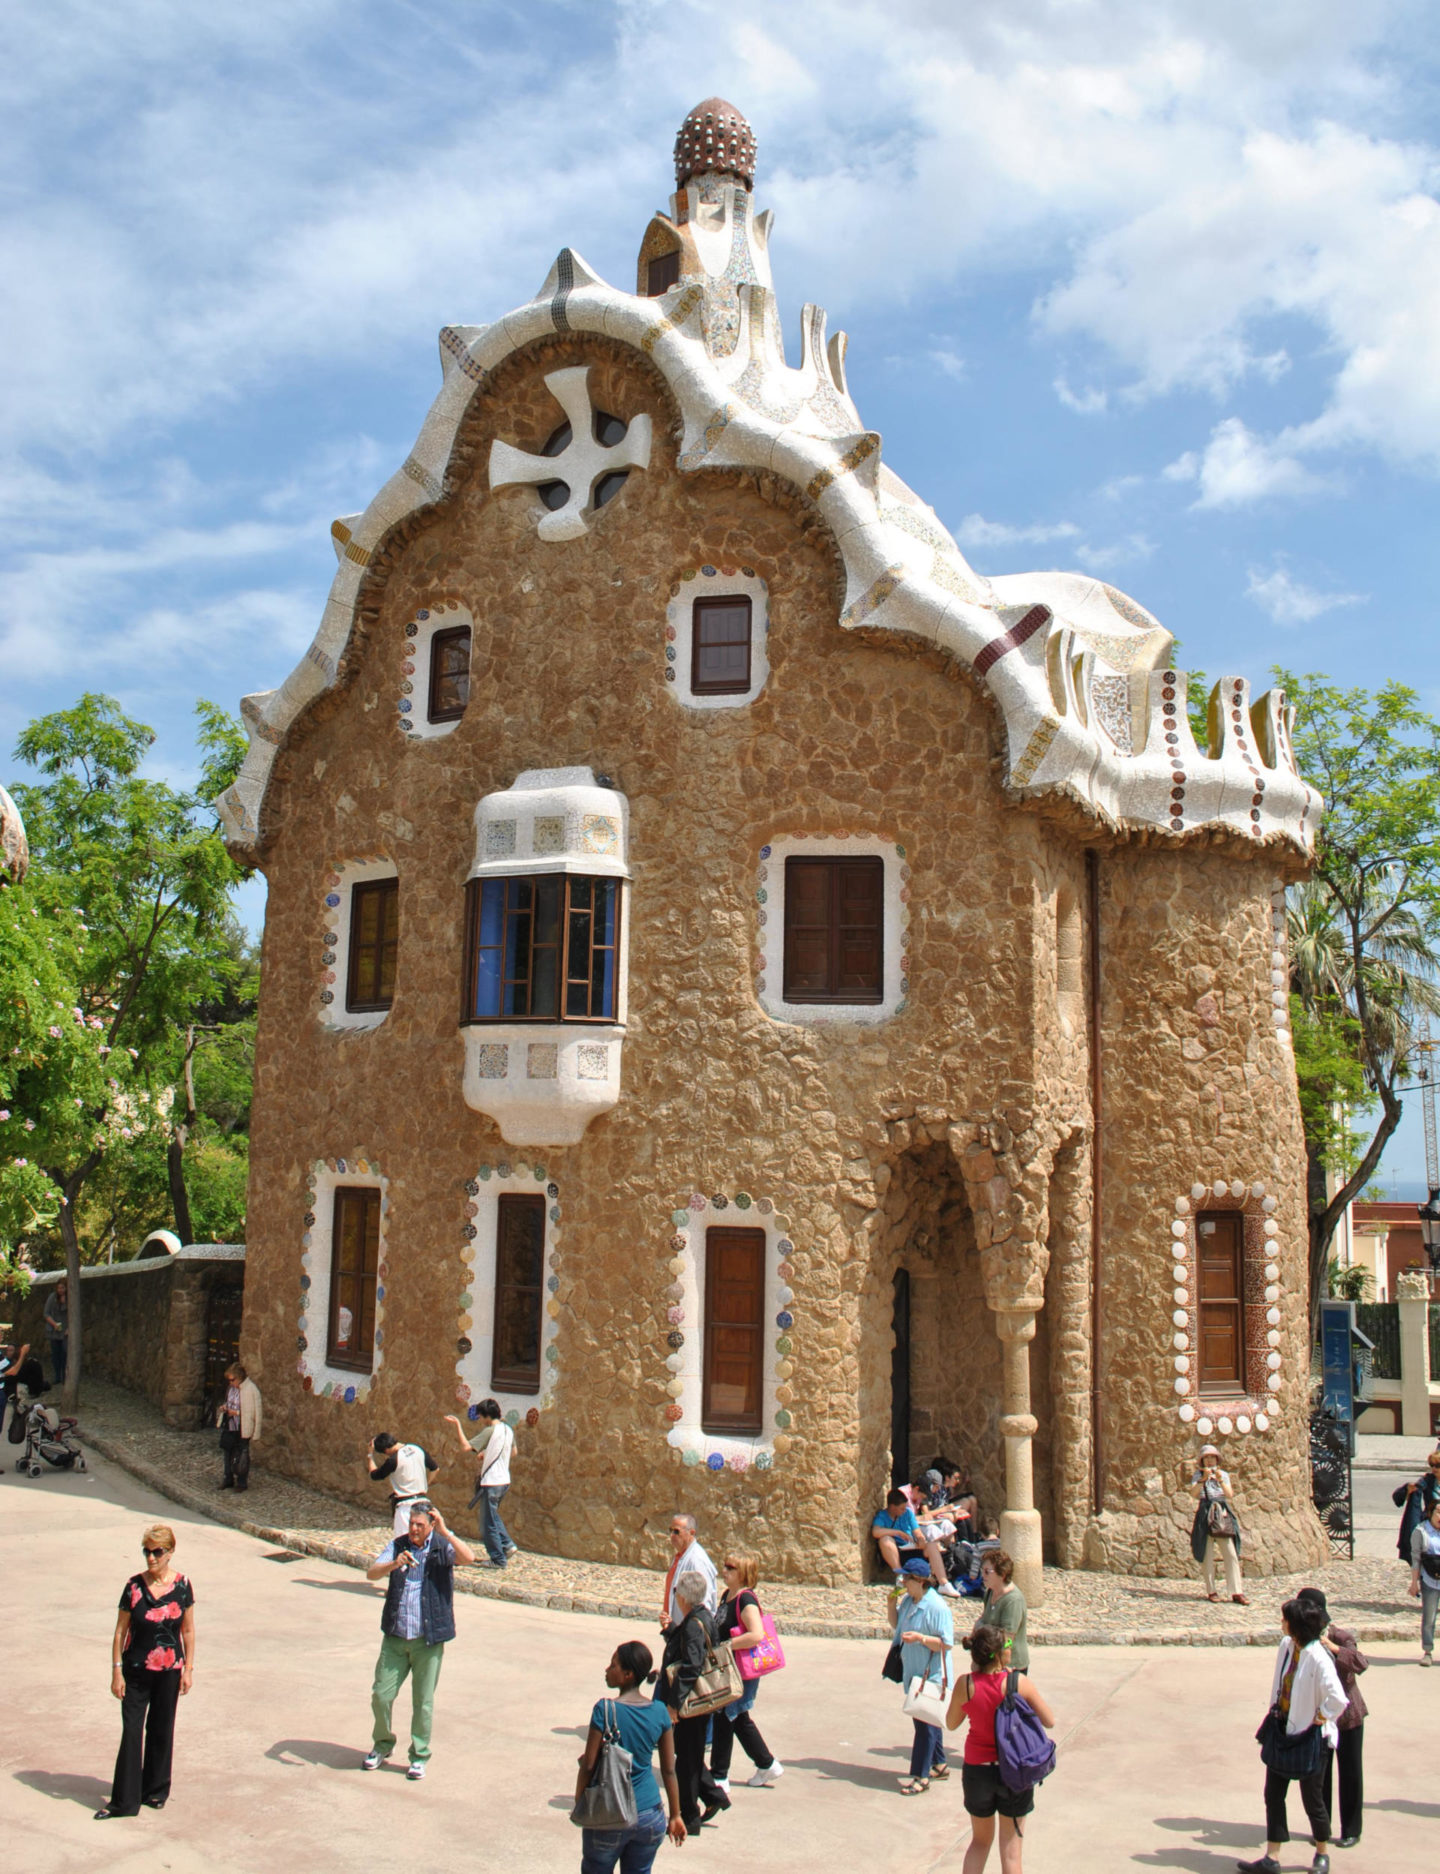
(437, 1592)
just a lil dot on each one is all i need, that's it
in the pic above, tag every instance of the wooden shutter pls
(834, 930)
(449, 674)
(519, 1288)
(662, 273)
(374, 943)
(354, 1259)
(1221, 1264)
(734, 1330)
(720, 647)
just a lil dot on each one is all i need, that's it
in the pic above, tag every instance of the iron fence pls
(1379, 1321)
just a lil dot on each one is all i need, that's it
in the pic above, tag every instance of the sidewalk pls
(1379, 1451)
(1081, 1608)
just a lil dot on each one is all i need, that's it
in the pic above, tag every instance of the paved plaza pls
(1158, 1767)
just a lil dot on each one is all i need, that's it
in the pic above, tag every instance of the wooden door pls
(734, 1330)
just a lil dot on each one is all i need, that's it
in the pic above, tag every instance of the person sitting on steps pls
(897, 1536)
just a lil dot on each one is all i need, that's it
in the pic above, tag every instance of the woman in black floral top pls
(152, 1660)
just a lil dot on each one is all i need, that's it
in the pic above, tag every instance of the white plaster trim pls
(542, 1107)
(582, 827)
(414, 721)
(1220, 1415)
(686, 1433)
(315, 1254)
(479, 1253)
(341, 880)
(770, 948)
(711, 582)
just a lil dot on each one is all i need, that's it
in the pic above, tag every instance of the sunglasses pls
(150, 1554)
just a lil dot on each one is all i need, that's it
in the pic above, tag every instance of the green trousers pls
(398, 1660)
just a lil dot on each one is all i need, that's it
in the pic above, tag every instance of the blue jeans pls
(928, 1748)
(493, 1532)
(1429, 1603)
(632, 1850)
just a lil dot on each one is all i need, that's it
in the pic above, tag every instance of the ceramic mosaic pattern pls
(683, 1302)
(769, 919)
(492, 1060)
(521, 1176)
(1111, 698)
(413, 687)
(1254, 1409)
(593, 1060)
(542, 1060)
(742, 581)
(316, 1375)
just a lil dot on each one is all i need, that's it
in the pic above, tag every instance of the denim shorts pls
(986, 1793)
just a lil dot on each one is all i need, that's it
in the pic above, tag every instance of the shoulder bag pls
(1287, 1753)
(717, 1685)
(1220, 1520)
(608, 1799)
(926, 1700)
(754, 1662)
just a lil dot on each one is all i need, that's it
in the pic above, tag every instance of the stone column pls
(1412, 1295)
(1020, 1520)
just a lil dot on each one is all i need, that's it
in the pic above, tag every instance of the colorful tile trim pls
(679, 621)
(870, 602)
(517, 1175)
(1036, 749)
(990, 654)
(335, 937)
(316, 1375)
(1171, 702)
(858, 452)
(454, 343)
(1258, 1405)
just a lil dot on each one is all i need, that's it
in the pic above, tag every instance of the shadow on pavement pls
(298, 1750)
(89, 1791)
(832, 1770)
(1211, 1834)
(338, 1587)
(1431, 1810)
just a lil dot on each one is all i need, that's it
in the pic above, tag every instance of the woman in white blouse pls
(1306, 1692)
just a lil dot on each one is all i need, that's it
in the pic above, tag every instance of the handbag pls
(754, 1662)
(1290, 1753)
(608, 1799)
(892, 1669)
(1221, 1520)
(718, 1683)
(926, 1700)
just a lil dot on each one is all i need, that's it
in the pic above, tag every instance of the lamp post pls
(1430, 1230)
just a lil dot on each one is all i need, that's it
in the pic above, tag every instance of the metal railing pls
(1379, 1321)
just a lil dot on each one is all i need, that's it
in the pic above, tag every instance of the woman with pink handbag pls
(758, 1653)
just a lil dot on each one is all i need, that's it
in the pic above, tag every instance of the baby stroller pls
(49, 1439)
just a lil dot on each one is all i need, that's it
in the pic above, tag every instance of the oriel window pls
(449, 674)
(734, 1330)
(720, 647)
(834, 930)
(374, 942)
(519, 1291)
(543, 948)
(354, 1260)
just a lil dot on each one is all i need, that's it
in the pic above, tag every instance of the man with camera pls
(417, 1619)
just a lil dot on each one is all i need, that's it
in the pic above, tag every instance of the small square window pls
(449, 674)
(662, 273)
(374, 942)
(720, 647)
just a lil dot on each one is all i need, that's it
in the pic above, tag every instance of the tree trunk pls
(175, 1151)
(1325, 1221)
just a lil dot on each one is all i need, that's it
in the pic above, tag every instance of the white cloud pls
(1124, 552)
(948, 363)
(1288, 602)
(976, 531)
(1083, 403)
(1238, 468)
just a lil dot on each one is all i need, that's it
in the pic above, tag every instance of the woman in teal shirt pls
(925, 1633)
(643, 1723)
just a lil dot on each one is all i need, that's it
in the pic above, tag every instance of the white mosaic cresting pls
(476, 1322)
(770, 919)
(1239, 1412)
(685, 1324)
(412, 716)
(341, 879)
(715, 582)
(316, 1373)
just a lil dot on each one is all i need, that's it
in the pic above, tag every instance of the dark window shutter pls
(662, 273)
(1220, 1263)
(354, 1260)
(449, 674)
(374, 943)
(734, 1330)
(519, 1292)
(834, 930)
(720, 647)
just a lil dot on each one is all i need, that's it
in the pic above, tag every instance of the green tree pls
(1363, 932)
(132, 941)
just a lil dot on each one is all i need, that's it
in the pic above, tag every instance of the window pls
(662, 273)
(354, 1258)
(374, 940)
(834, 949)
(1221, 1242)
(720, 647)
(543, 949)
(519, 1287)
(449, 674)
(734, 1330)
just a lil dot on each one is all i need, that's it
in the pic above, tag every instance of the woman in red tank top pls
(974, 1702)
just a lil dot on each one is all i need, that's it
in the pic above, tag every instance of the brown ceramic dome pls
(715, 137)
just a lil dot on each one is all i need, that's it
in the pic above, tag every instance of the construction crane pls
(1426, 1048)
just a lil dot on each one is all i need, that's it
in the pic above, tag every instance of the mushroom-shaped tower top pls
(14, 852)
(715, 138)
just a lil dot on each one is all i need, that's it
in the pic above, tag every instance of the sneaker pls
(373, 1759)
(762, 1779)
(510, 1549)
(1427, 1659)
(416, 1773)
(944, 1587)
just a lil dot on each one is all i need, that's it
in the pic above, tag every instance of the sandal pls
(939, 1772)
(914, 1785)
(1212, 1597)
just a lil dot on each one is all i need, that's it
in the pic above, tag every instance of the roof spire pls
(715, 140)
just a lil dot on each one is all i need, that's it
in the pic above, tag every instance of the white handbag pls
(926, 1700)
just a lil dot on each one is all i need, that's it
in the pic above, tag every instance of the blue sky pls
(1139, 287)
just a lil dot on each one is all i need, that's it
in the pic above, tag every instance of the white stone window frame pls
(316, 1256)
(709, 582)
(344, 876)
(414, 721)
(1245, 1412)
(687, 1433)
(481, 1253)
(770, 946)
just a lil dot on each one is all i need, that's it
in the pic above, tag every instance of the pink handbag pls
(755, 1662)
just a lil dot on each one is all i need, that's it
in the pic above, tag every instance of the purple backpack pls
(1025, 1748)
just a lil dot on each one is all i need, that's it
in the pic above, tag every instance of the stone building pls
(763, 1000)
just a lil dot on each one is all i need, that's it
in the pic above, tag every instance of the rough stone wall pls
(945, 1120)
